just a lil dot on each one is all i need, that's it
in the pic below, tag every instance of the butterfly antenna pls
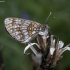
(48, 16)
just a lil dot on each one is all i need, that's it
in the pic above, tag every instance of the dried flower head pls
(56, 50)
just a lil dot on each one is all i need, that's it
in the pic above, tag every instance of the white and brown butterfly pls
(21, 29)
(25, 30)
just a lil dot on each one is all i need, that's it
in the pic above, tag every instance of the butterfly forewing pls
(21, 29)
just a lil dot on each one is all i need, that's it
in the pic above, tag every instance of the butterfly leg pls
(30, 45)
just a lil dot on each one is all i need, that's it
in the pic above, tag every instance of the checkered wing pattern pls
(21, 29)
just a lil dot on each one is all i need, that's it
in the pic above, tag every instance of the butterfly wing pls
(21, 29)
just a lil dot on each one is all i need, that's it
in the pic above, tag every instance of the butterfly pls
(23, 30)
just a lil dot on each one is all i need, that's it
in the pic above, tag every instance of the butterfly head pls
(46, 26)
(44, 32)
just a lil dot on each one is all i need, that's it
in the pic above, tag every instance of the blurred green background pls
(36, 10)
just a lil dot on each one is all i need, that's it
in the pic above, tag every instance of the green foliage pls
(38, 10)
